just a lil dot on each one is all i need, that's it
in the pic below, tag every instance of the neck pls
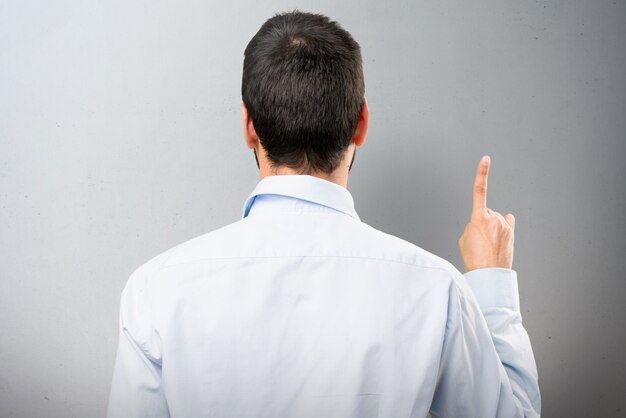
(334, 177)
(339, 176)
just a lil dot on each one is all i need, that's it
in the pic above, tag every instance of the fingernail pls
(485, 160)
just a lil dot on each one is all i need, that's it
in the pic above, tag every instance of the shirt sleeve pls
(136, 390)
(487, 366)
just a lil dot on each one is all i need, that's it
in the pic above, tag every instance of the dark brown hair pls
(303, 87)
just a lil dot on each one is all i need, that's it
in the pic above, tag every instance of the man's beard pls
(352, 162)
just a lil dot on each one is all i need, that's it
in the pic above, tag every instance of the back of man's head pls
(303, 88)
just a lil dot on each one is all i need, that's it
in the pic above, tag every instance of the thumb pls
(510, 219)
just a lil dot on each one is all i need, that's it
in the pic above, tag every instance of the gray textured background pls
(120, 137)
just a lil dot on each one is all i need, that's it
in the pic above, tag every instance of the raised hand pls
(488, 238)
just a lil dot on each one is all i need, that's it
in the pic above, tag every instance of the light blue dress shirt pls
(302, 310)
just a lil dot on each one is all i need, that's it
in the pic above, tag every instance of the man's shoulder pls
(404, 251)
(194, 249)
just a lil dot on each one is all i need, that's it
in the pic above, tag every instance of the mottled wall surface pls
(120, 136)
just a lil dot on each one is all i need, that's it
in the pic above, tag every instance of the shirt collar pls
(305, 187)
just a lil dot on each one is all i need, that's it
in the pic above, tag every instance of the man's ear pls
(249, 134)
(362, 125)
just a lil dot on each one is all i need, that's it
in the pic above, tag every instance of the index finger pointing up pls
(480, 187)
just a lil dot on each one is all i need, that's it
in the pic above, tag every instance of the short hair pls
(304, 90)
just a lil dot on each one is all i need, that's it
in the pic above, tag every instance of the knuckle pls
(480, 189)
(495, 223)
